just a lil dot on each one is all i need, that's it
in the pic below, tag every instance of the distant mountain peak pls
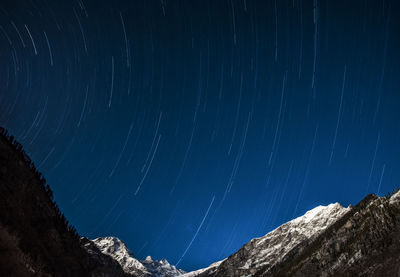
(115, 248)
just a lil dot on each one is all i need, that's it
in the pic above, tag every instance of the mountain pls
(35, 237)
(161, 268)
(116, 249)
(266, 251)
(271, 248)
(364, 242)
(327, 241)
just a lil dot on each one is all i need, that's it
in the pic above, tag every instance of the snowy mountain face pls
(363, 242)
(115, 248)
(327, 241)
(269, 249)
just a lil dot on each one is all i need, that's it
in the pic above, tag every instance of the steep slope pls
(364, 242)
(116, 249)
(266, 251)
(35, 238)
(327, 241)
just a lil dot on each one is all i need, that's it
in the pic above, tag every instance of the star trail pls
(187, 128)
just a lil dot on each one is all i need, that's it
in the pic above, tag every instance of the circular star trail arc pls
(140, 112)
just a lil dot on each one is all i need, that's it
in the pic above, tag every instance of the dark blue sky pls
(186, 128)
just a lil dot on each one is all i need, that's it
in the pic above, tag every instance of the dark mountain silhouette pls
(35, 237)
(37, 240)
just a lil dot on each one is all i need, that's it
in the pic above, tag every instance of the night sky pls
(186, 128)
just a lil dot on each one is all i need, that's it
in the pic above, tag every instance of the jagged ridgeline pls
(35, 237)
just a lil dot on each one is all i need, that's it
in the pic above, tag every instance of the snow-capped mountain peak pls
(115, 248)
(161, 268)
(270, 249)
